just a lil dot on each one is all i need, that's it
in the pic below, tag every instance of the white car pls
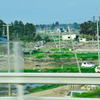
(97, 69)
(87, 65)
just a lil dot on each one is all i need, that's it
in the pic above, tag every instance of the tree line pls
(20, 31)
(27, 32)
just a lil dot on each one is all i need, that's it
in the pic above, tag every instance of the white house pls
(68, 37)
(82, 39)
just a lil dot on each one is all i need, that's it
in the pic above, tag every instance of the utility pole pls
(92, 44)
(54, 40)
(9, 90)
(8, 46)
(3, 34)
(59, 43)
(98, 40)
(74, 52)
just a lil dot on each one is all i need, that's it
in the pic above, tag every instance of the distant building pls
(82, 39)
(58, 30)
(69, 37)
(41, 41)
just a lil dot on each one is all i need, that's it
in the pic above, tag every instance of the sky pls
(48, 11)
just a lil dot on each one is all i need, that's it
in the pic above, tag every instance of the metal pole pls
(53, 39)
(9, 86)
(98, 40)
(92, 43)
(20, 92)
(75, 53)
(3, 34)
(59, 43)
(8, 48)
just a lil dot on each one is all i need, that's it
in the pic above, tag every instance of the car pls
(87, 65)
(97, 69)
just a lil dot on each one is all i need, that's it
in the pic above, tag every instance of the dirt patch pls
(56, 92)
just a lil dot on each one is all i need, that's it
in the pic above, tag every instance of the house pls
(41, 41)
(82, 39)
(69, 37)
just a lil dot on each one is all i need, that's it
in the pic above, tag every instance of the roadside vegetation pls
(91, 94)
(41, 88)
(60, 70)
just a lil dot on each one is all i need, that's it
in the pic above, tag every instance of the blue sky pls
(48, 11)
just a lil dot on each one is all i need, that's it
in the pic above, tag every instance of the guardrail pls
(46, 98)
(51, 78)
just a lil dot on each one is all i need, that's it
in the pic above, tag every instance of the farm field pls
(49, 59)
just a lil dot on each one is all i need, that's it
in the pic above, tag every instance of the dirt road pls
(56, 92)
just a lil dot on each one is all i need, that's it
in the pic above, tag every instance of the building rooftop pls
(3, 39)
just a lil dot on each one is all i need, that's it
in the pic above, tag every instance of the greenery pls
(58, 55)
(42, 88)
(88, 29)
(85, 56)
(19, 30)
(1, 27)
(46, 38)
(60, 70)
(57, 49)
(27, 32)
(37, 37)
(92, 94)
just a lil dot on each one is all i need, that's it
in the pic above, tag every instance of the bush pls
(31, 70)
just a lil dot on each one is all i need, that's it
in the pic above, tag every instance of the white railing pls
(46, 98)
(52, 78)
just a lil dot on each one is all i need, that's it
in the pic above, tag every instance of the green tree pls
(29, 30)
(76, 25)
(53, 26)
(1, 27)
(16, 29)
(47, 38)
(37, 37)
(88, 28)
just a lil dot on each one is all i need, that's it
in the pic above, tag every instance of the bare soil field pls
(56, 92)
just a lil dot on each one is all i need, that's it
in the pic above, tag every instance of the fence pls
(52, 78)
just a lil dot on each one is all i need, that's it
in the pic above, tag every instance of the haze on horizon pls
(48, 11)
